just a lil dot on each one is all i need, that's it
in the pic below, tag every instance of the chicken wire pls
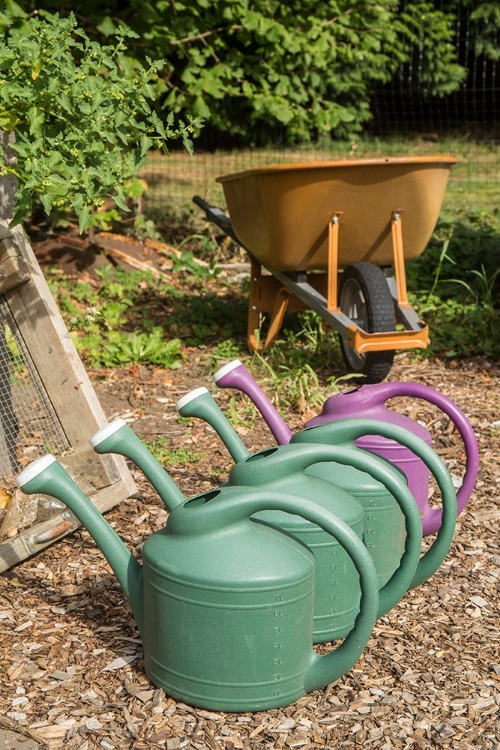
(29, 426)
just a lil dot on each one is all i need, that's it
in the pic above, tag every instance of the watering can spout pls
(236, 375)
(48, 477)
(199, 403)
(118, 437)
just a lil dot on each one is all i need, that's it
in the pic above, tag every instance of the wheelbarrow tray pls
(281, 213)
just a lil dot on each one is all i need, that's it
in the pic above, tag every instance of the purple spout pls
(236, 375)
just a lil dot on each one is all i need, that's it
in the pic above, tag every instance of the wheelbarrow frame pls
(318, 291)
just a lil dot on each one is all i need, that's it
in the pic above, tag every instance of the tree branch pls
(205, 34)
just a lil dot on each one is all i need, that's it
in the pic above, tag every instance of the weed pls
(168, 456)
(135, 348)
(292, 380)
(483, 293)
(111, 324)
(187, 262)
(226, 350)
(241, 413)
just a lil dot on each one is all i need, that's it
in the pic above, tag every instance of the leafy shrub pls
(82, 114)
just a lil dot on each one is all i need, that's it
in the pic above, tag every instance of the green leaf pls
(35, 120)
(107, 26)
(200, 108)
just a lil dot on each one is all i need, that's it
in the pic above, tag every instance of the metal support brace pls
(333, 261)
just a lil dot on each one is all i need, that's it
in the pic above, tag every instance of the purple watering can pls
(369, 401)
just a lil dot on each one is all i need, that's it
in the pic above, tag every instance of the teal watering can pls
(293, 468)
(224, 604)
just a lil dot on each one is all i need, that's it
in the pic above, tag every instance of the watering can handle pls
(432, 516)
(346, 431)
(221, 509)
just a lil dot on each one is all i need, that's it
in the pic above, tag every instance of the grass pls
(474, 181)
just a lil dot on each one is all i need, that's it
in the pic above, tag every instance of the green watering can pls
(224, 604)
(337, 584)
(295, 468)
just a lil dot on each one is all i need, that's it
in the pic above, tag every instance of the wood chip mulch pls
(72, 663)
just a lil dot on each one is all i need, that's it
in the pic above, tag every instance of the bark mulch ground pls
(429, 677)
(73, 673)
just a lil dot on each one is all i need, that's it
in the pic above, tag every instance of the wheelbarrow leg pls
(277, 315)
(253, 319)
(257, 304)
(333, 262)
(404, 311)
(399, 260)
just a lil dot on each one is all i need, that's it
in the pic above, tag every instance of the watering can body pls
(382, 516)
(369, 401)
(224, 604)
(337, 582)
(221, 630)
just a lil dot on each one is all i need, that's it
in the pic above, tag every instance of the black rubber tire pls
(365, 298)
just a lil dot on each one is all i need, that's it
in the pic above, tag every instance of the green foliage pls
(486, 20)
(462, 246)
(263, 70)
(303, 67)
(429, 30)
(187, 263)
(81, 111)
(109, 324)
(125, 349)
(455, 288)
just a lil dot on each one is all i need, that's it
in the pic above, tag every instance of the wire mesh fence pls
(474, 183)
(29, 426)
(464, 123)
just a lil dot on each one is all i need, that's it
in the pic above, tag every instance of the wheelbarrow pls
(334, 237)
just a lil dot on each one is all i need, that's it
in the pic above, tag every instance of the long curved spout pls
(199, 403)
(47, 476)
(236, 375)
(118, 437)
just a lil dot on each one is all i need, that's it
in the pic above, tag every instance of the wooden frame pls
(39, 324)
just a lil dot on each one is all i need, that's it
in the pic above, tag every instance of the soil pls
(429, 676)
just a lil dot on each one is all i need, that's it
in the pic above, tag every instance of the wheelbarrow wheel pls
(366, 299)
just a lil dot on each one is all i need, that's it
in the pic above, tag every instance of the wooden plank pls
(13, 268)
(105, 479)
(55, 358)
(53, 353)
